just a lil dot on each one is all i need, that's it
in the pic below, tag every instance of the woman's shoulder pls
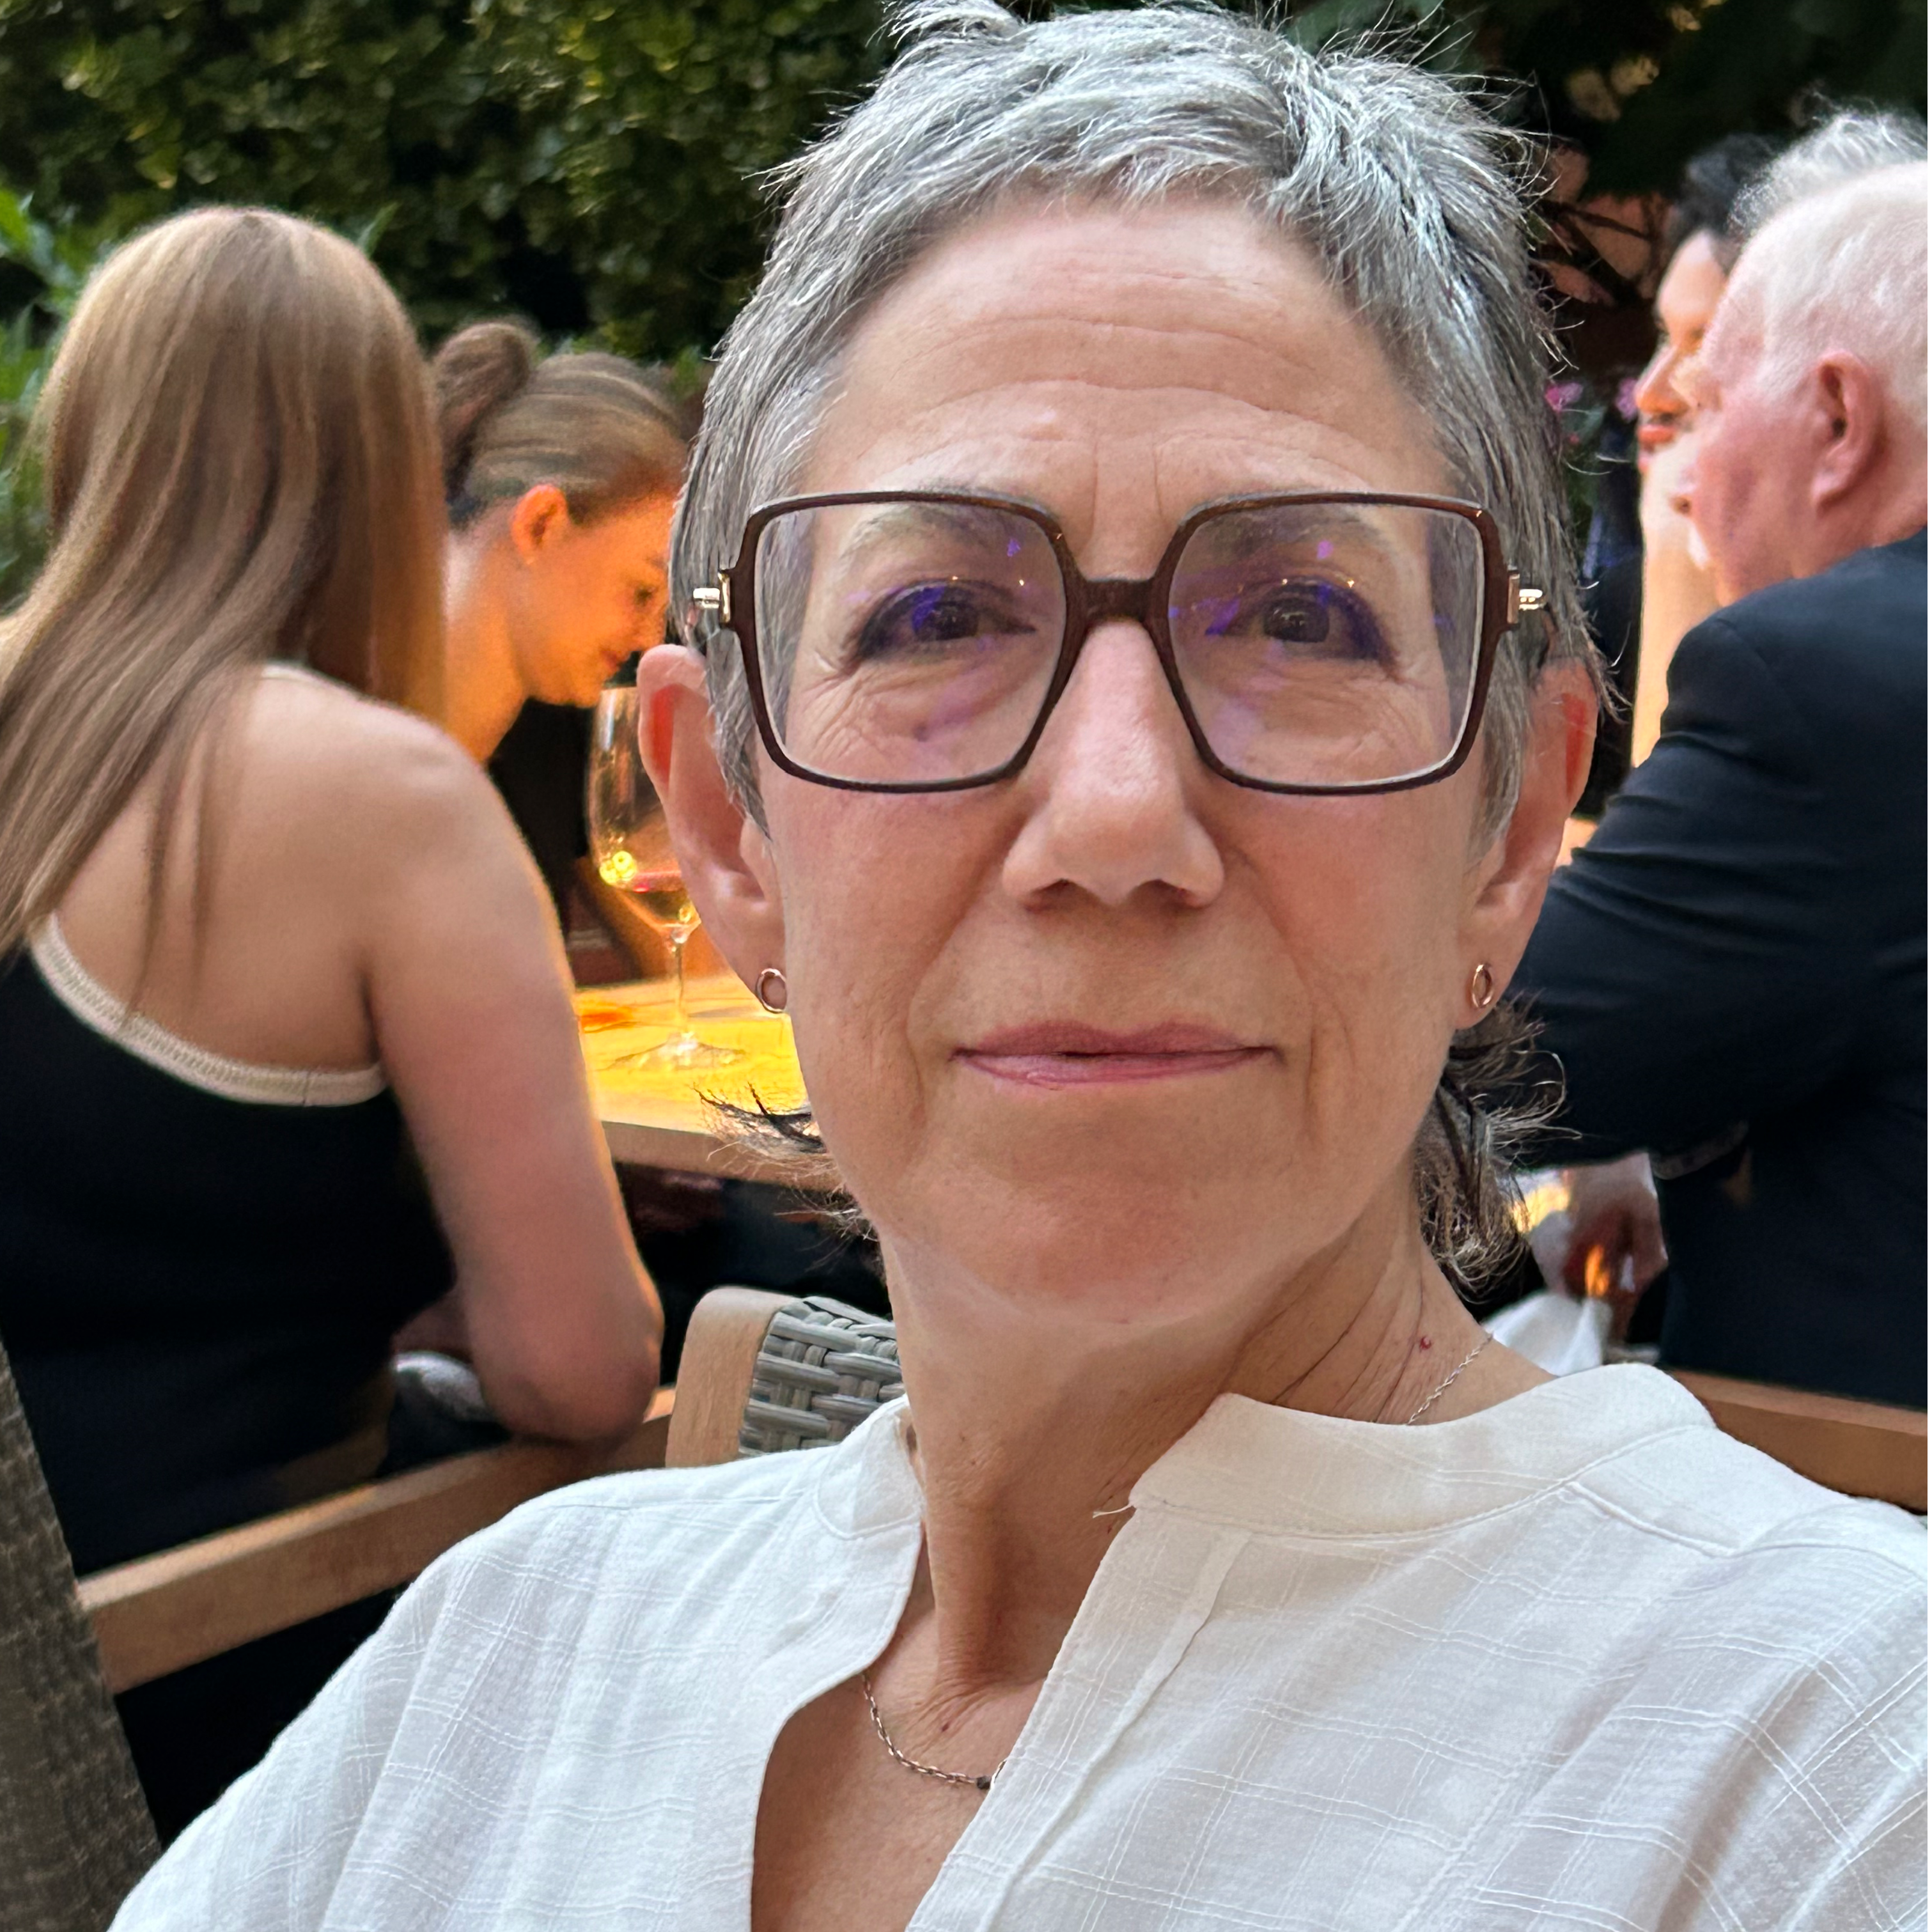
(540, 1674)
(323, 735)
(368, 792)
(661, 1565)
(1686, 1481)
(1743, 1568)
(640, 1518)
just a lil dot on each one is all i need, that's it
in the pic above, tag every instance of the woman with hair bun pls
(561, 473)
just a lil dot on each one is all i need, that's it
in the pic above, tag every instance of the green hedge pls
(595, 164)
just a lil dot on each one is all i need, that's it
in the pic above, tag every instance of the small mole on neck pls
(1423, 1341)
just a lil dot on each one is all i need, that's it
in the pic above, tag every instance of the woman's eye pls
(1297, 617)
(924, 620)
(1310, 618)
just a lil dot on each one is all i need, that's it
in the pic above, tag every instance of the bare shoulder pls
(314, 732)
(354, 770)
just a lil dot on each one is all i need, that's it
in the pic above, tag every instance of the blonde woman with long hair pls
(286, 1042)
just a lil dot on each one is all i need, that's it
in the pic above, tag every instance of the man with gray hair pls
(1853, 142)
(1811, 391)
(1733, 973)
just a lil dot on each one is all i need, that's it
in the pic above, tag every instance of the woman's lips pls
(1075, 1055)
(1654, 432)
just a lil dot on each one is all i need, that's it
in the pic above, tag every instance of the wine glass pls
(630, 845)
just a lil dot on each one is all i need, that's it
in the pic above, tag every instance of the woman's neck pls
(1023, 1429)
(482, 692)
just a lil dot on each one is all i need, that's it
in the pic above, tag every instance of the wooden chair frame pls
(160, 1613)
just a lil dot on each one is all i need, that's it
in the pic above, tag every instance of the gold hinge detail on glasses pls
(715, 598)
(1522, 597)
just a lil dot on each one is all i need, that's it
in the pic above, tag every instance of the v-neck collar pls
(1269, 1470)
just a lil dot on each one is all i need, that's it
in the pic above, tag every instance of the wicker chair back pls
(75, 1834)
(823, 1369)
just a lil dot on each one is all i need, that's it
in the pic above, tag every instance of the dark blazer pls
(1732, 975)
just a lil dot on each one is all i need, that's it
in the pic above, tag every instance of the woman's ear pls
(725, 859)
(1509, 880)
(539, 518)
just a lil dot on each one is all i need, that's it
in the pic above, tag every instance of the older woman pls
(1109, 731)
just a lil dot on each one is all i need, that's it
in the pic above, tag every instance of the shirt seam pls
(809, 1485)
(1776, 1539)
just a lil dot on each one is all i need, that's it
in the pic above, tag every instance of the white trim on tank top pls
(92, 1004)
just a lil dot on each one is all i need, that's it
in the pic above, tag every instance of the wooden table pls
(658, 1118)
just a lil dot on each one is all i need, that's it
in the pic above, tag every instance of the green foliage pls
(596, 164)
(591, 165)
(51, 265)
(1719, 67)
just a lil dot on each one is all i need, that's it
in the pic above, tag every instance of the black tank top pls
(201, 1265)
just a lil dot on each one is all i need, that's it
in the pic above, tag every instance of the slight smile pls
(1073, 1055)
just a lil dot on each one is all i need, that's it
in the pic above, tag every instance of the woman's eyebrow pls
(1244, 536)
(911, 517)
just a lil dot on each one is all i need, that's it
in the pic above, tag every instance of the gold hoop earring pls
(770, 990)
(1483, 989)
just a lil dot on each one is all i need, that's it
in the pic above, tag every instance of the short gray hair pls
(1842, 268)
(1409, 198)
(1852, 142)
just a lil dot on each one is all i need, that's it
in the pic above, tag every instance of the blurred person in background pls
(1733, 972)
(1729, 191)
(1725, 198)
(1851, 142)
(1701, 250)
(286, 1039)
(561, 473)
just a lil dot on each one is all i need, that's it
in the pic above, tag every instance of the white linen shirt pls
(1576, 1659)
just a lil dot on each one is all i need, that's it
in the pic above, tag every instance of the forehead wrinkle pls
(1125, 357)
(1232, 260)
(1014, 413)
(1302, 396)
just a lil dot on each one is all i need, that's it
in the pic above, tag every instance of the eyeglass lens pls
(913, 642)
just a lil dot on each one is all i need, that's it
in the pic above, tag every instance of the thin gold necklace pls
(983, 1782)
(1442, 1386)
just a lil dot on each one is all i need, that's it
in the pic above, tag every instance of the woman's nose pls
(1114, 784)
(1656, 393)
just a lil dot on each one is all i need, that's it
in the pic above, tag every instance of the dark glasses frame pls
(733, 601)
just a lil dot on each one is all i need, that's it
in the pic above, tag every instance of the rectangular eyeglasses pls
(1321, 642)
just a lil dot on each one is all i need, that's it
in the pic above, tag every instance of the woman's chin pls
(1131, 1276)
(1133, 1233)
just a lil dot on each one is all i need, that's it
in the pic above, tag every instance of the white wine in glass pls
(630, 843)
